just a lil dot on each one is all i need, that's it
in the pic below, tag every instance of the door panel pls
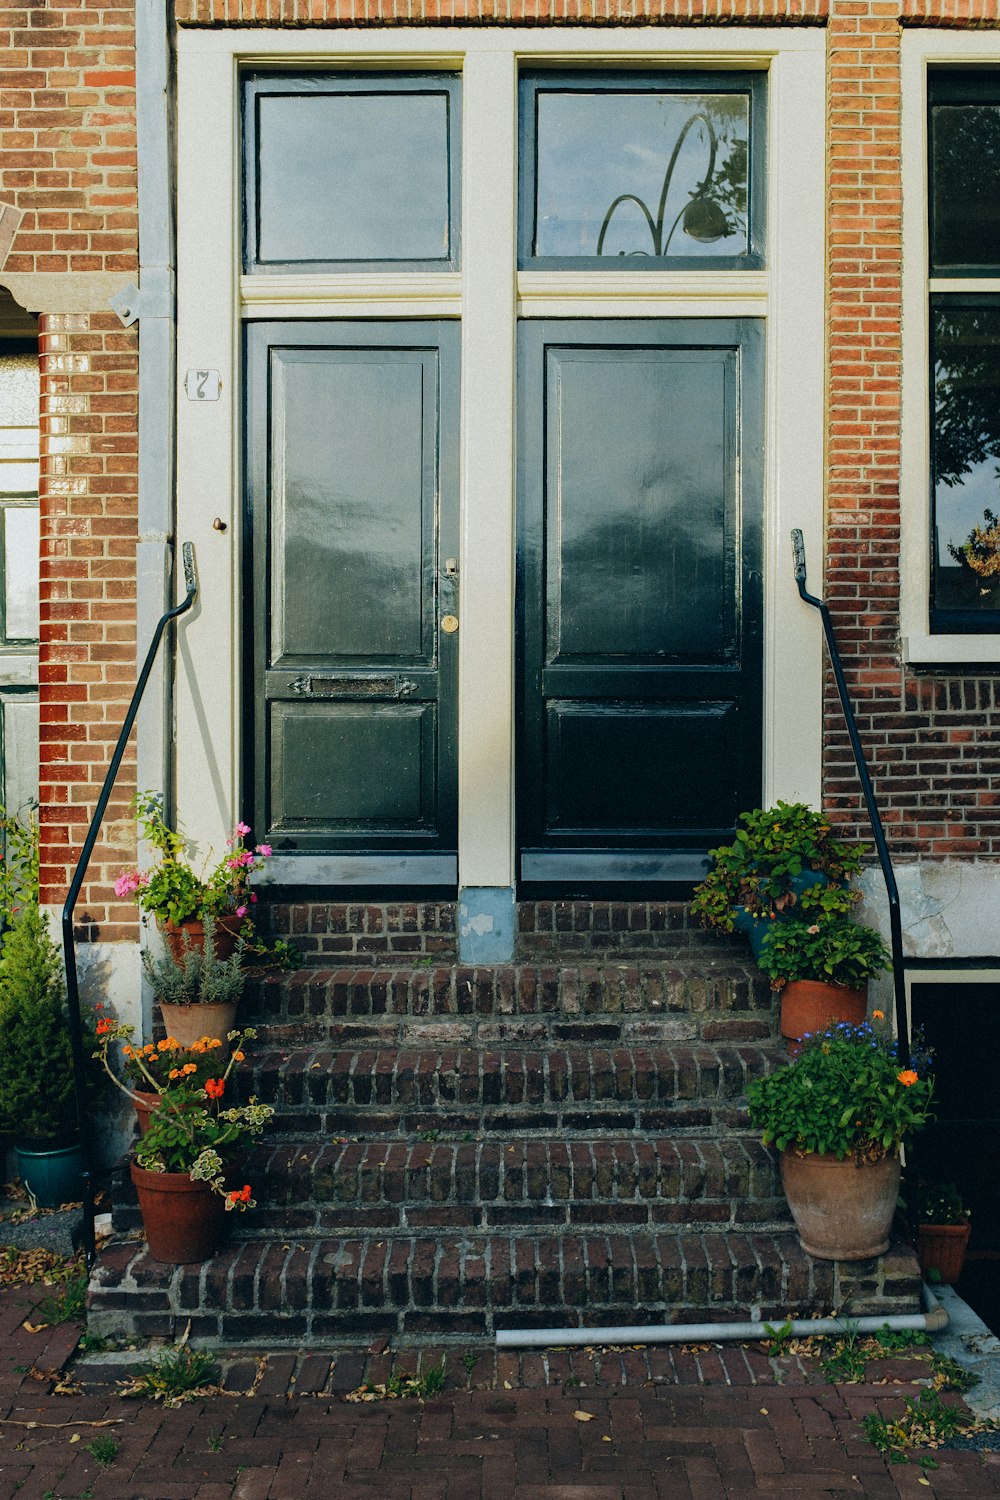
(352, 508)
(639, 594)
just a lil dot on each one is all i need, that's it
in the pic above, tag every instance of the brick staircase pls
(559, 1141)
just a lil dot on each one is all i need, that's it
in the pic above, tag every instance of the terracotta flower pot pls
(143, 1102)
(811, 1005)
(227, 931)
(186, 1023)
(942, 1247)
(183, 1220)
(842, 1211)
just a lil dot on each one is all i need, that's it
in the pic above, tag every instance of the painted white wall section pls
(949, 908)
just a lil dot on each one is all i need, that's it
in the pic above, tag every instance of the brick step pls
(645, 999)
(343, 1288)
(335, 931)
(320, 1090)
(308, 1188)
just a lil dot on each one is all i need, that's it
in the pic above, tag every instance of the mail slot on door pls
(352, 687)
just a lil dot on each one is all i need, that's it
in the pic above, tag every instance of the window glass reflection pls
(650, 174)
(965, 186)
(966, 457)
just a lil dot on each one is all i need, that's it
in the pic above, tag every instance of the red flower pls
(215, 1087)
(103, 1025)
(240, 1195)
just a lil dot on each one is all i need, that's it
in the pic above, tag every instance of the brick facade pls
(67, 160)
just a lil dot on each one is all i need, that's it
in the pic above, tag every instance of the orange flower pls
(241, 1195)
(215, 1087)
(128, 1051)
(213, 1042)
(878, 1015)
(907, 1077)
(174, 1073)
(238, 1056)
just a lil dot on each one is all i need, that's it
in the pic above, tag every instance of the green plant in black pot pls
(37, 1096)
(779, 855)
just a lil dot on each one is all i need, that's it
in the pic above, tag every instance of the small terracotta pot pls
(183, 1220)
(811, 1005)
(942, 1247)
(227, 931)
(842, 1211)
(187, 1023)
(143, 1103)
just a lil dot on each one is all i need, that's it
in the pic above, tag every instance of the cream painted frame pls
(490, 294)
(923, 49)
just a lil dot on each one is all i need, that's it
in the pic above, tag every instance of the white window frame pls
(923, 50)
(489, 294)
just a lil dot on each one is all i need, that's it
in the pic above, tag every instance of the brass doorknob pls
(449, 624)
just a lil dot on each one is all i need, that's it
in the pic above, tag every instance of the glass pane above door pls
(347, 173)
(642, 171)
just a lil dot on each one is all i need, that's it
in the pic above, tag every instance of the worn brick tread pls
(442, 1285)
(373, 1090)
(633, 999)
(309, 1187)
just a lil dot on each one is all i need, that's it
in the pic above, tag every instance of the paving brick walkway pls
(710, 1423)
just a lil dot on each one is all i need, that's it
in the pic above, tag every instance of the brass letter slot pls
(352, 687)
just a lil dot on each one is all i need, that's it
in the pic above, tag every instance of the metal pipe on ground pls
(934, 1320)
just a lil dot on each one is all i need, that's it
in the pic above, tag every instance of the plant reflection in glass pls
(702, 217)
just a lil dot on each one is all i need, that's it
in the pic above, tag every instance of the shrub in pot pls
(838, 1114)
(190, 1146)
(37, 1090)
(778, 854)
(943, 1231)
(822, 967)
(198, 993)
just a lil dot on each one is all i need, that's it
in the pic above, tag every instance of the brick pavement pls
(708, 1423)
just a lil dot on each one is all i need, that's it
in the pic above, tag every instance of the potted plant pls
(37, 1091)
(198, 992)
(180, 898)
(778, 855)
(181, 1162)
(822, 967)
(943, 1231)
(838, 1114)
(151, 1069)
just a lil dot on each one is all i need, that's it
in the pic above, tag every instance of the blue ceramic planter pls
(755, 929)
(52, 1177)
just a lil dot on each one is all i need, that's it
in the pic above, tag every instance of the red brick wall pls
(67, 160)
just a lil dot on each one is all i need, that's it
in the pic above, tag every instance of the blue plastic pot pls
(52, 1176)
(755, 929)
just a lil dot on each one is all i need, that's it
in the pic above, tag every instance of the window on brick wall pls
(964, 323)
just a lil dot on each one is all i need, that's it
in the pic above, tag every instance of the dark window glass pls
(965, 460)
(965, 173)
(350, 172)
(647, 170)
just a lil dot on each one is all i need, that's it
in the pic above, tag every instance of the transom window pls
(348, 173)
(645, 170)
(964, 245)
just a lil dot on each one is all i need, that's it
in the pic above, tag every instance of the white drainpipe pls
(934, 1320)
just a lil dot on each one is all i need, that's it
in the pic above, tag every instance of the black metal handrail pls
(868, 792)
(69, 944)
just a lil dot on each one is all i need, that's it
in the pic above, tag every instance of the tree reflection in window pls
(965, 454)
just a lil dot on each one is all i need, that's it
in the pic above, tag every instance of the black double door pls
(639, 599)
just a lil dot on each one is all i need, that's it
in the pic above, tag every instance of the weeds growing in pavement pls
(926, 1422)
(69, 1303)
(400, 1385)
(105, 1449)
(177, 1375)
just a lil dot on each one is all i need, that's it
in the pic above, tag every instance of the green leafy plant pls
(177, 1375)
(19, 862)
(37, 1097)
(199, 976)
(773, 847)
(925, 1422)
(845, 1094)
(173, 890)
(189, 1131)
(940, 1203)
(104, 1449)
(69, 1303)
(832, 949)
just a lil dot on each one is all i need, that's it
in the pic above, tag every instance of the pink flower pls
(241, 911)
(252, 896)
(264, 850)
(235, 861)
(129, 883)
(814, 929)
(243, 829)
